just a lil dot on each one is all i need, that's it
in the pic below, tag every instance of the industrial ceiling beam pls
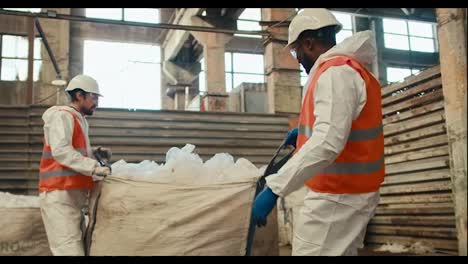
(54, 15)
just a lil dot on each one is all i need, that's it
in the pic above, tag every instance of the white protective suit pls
(330, 224)
(62, 210)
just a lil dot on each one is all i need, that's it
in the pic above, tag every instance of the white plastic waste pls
(185, 167)
(8, 200)
(415, 248)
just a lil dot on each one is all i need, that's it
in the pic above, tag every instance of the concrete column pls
(377, 27)
(281, 69)
(176, 77)
(167, 103)
(213, 54)
(452, 45)
(180, 99)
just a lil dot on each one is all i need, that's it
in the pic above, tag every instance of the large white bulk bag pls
(22, 230)
(134, 218)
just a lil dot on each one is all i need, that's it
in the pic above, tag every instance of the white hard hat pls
(85, 83)
(311, 19)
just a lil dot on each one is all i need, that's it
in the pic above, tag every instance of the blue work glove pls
(263, 205)
(291, 138)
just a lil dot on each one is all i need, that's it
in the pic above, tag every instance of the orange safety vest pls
(360, 167)
(53, 175)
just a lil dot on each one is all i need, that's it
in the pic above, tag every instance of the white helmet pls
(311, 19)
(85, 83)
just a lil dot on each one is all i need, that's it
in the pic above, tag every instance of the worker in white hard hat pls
(340, 144)
(67, 169)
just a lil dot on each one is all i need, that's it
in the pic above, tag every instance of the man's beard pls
(88, 111)
(307, 64)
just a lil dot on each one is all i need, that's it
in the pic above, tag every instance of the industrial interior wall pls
(57, 33)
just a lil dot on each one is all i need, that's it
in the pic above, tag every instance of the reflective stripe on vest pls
(354, 167)
(57, 173)
(360, 167)
(48, 154)
(354, 135)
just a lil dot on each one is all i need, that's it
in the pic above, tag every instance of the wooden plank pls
(418, 154)
(433, 130)
(167, 115)
(416, 198)
(413, 102)
(415, 209)
(414, 231)
(13, 111)
(176, 141)
(414, 112)
(184, 133)
(413, 91)
(187, 125)
(416, 144)
(13, 122)
(19, 176)
(157, 150)
(13, 155)
(213, 119)
(439, 174)
(158, 117)
(187, 133)
(14, 127)
(423, 164)
(182, 126)
(13, 132)
(4, 137)
(412, 80)
(12, 141)
(14, 163)
(448, 244)
(440, 220)
(425, 120)
(434, 186)
(14, 184)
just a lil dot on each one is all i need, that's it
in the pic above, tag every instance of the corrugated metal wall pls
(136, 136)
(416, 199)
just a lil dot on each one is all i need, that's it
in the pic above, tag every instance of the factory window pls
(14, 62)
(409, 35)
(145, 15)
(397, 74)
(249, 21)
(202, 77)
(33, 10)
(243, 67)
(128, 74)
(239, 68)
(347, 21)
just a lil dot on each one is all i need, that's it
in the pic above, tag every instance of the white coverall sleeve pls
(58, 132)
(339, 97)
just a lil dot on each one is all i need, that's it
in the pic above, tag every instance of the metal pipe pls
(29, 91)
(47, 46)
(52, 15)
